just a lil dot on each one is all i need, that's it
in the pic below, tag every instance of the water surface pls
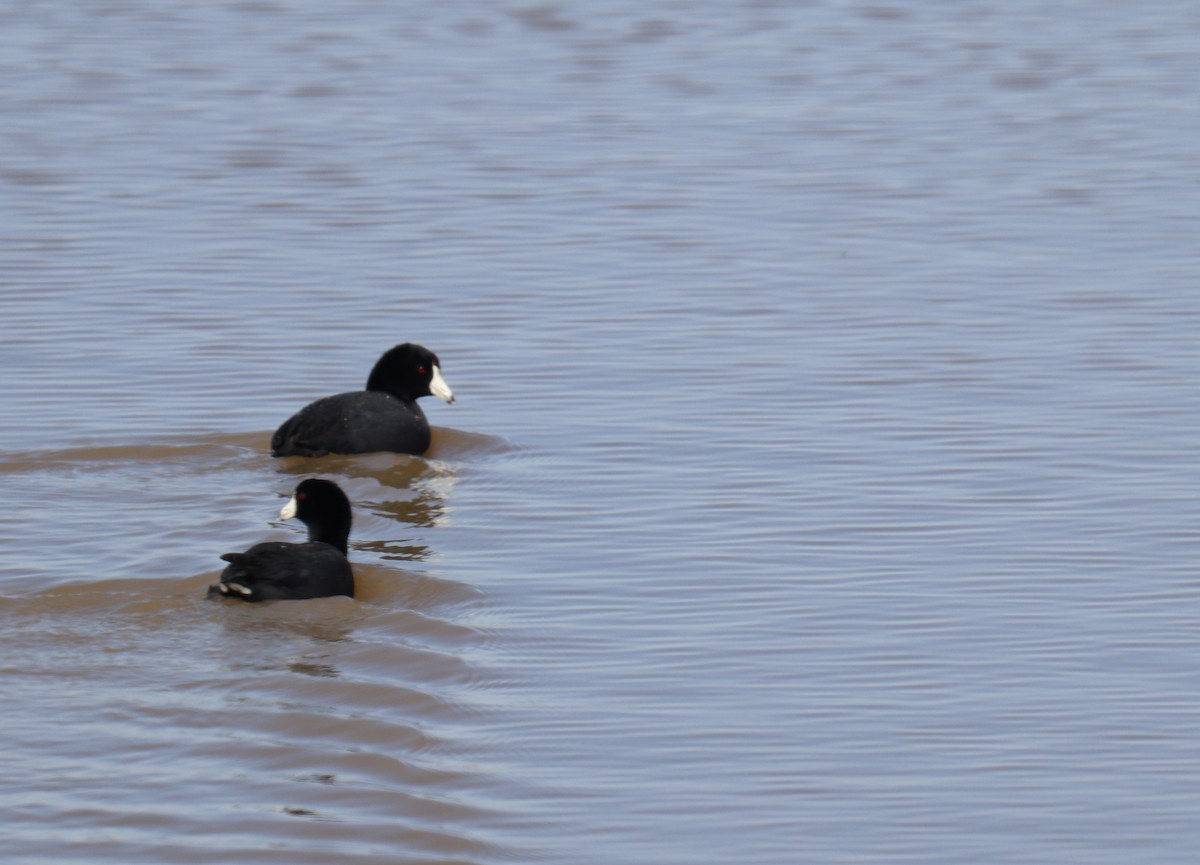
(821, 486)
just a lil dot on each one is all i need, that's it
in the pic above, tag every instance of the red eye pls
(301, 496)
(420, 370)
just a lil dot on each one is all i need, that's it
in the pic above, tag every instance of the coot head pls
(409, 371)
(324, 509)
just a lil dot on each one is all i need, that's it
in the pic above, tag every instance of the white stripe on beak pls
(289, 510)
(439, 388)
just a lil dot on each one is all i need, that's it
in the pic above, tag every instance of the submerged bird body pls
(277, 570)
(282, 571)
(361, 421)
(384, 417)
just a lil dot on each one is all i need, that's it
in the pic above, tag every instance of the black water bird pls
(384, 417)
(277, 570)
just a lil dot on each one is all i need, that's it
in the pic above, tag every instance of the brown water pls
(821, 487)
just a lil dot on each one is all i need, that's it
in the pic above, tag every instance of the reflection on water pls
(395, 489)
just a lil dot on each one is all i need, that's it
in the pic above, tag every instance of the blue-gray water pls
(822, 483)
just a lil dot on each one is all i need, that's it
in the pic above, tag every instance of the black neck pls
(331, 531)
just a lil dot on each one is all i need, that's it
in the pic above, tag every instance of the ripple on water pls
(306, 730)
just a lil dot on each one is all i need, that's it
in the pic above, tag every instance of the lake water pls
(822, 486)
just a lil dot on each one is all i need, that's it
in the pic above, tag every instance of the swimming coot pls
(284, 571)
(384, 417)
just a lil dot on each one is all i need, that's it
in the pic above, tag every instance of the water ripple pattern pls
(821, 485)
